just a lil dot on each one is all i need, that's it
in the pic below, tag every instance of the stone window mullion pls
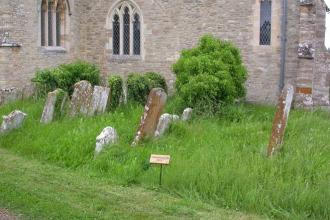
(131, 33)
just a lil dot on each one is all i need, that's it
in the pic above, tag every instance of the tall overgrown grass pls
(219, 160)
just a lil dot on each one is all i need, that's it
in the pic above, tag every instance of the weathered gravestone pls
(280, 120)
(12, 121)
(9, 95)
(164, 123)
(107, 137)
(99, 100)
(81, 98)
(155, 105)
(187, 113)
(54, 105)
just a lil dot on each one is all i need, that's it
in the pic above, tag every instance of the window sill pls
(123, 58)
(53, 49)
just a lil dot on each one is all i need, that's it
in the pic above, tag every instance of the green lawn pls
(34, 190)
(219, 161)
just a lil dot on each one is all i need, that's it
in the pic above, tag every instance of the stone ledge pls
(53, 50)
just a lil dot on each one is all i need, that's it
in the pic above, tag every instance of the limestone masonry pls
(87, 30)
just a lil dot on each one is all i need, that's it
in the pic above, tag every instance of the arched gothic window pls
(126, 30)
(53, 21)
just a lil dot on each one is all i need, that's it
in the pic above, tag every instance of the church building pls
(281, 41)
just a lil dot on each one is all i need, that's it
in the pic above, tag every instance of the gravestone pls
(99, 100)
(280, 120)
(81, 98)
(107, 137)
(187, 113)
(164, 123)
(55, 101)
(12, 121)
(9, 95)
(149, 121)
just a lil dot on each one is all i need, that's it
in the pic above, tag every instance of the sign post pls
(160, 160)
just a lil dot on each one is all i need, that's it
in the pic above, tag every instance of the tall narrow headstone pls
(81, 98)
(280, 120)
(155, 105)
(99, 100)
(55, 102)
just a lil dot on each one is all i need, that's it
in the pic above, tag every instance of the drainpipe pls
(283, 42)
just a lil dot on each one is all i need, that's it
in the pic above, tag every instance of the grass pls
(219, 160)
(41, 191)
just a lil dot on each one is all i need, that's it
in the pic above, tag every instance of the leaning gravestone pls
(99, 100)
(155, 105)
(164, 123)
(54, 105)
(81, 98)
(280, 120)
(108, 136)
(12, 121)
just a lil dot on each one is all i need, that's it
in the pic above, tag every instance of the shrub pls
(65, 76)
(116, 88)
(210, 75)
(140, 85)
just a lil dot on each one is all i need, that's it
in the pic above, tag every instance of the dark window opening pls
(265, 22)
(126, 32)
(116, 35)
(137, 35)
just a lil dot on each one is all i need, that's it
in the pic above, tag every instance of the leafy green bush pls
(116, 88)
(140, 85)
(210, 75)
(65, 76)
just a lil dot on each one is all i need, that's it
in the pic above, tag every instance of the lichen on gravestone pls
(152, 112)
(54, 106)
(81, 99)
(280, 120)
(99, 100)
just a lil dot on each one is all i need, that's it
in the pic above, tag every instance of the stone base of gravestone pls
(54, 105)
(99, 100)
(280, 120)
(153, 109)
(12, 121)
(81, 99)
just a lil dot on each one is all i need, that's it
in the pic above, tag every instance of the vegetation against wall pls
(210, 75)
(116, 91)
(140, 85)
(65, 76)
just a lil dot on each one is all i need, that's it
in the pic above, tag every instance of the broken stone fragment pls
(280, 120)
(187, 114)
(81, 98)
(54, 105)
(12, 121)
(153, 109)
(107, 137)
(99, 100)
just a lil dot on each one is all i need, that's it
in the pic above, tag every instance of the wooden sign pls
(160, 159)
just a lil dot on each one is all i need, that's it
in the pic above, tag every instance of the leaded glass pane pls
(137, 35)
(265, 22)
(50, 24)
(43, 23)
(116, 35)
(126, 32)
(58, 25)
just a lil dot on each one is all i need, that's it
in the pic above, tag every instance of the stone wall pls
(21, 19)
(170, 26)
(167, 28)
